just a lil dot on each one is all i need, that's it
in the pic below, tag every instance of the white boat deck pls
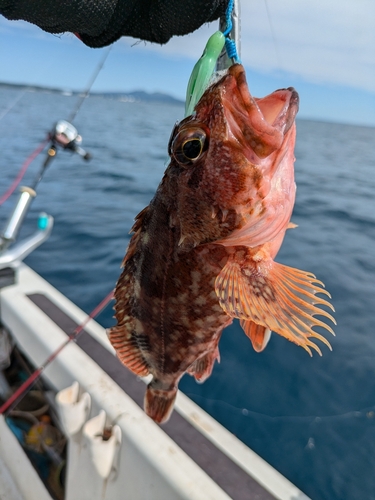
(192, 457)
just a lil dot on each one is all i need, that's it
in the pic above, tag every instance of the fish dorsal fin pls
(127, 351)
(258, 334)
(136, 229)
(280, 298)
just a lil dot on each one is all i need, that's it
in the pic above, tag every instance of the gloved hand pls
(101, 22)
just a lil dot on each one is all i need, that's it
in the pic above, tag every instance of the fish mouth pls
(262, 123)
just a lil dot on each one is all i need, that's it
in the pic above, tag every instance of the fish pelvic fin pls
(158, 403)
(258, 334)
(277, 297)
(202, 368)
(127, 350)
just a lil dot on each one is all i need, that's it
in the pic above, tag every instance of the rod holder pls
(18, 252)
(73, 409)
(103, 449)
(15, 221)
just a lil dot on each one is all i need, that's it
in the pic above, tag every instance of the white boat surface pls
(192, 457)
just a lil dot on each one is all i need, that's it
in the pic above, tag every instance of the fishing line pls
(245, 412)
(278, 56)
(23, 169)
(90, 84)
(24, 388)
(12, 104)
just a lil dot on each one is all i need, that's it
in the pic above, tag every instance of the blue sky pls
(325, 49)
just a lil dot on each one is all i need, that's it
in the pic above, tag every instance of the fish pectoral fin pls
(127, 351)
(202, 368)
(280, 298)
(258, 334)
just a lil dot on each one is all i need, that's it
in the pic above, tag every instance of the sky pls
(323, 48)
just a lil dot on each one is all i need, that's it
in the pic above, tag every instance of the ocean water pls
(313, 419)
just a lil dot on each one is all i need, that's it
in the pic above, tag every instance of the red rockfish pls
(203, 251)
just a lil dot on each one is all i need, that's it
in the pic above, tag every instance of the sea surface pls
(313, 419)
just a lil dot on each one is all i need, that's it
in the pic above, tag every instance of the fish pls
(202, 252)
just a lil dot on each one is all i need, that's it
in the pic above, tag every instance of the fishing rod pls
(65, 136)
(90, 84)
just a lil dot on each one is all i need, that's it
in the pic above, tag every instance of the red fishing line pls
(23, 169)
(26, 386)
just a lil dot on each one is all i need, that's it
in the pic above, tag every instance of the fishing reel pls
(66, 136)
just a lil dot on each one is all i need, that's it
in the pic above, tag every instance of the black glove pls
(101, 22)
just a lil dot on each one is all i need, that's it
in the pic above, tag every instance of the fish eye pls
(189, 145)
(192, 148)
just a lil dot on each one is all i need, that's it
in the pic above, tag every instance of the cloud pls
(323, 42)
(329, 42)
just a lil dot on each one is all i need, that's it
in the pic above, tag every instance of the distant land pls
(134, 96)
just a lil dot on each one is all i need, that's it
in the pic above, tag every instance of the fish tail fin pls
(127, 350)
(158, 403)
(202, 368)
(280, 298)
(258, 334)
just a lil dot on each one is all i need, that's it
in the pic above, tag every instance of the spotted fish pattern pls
(202, 252)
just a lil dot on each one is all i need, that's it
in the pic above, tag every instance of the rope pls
(228, 17)
(22, 171)
(34, 377)
(230, 44)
